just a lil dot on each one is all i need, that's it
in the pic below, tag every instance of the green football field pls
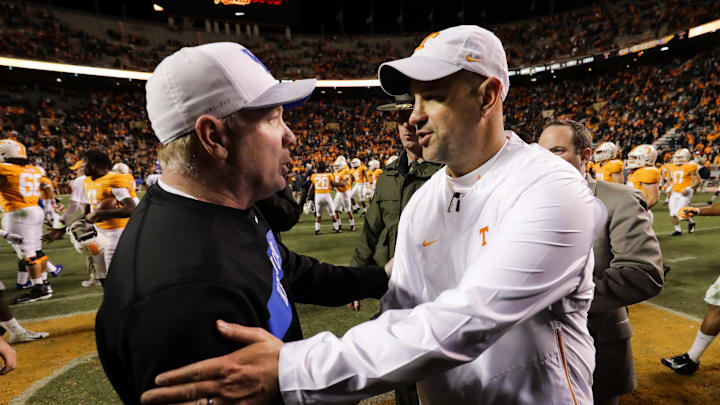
(694, 260)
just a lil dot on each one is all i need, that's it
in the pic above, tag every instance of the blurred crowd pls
(677, 101)
(605, 26)
(29, 32)
(630, 107)
(58, 126)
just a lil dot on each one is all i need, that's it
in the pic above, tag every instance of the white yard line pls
(697, 229)
(674, 312)
(52, 300)
(680, 259)
(22, 398)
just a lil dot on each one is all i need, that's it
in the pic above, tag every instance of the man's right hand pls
(7, 353)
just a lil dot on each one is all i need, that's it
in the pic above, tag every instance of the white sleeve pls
(555, 235)
(78, 192)
(121, 193)
(73, 212)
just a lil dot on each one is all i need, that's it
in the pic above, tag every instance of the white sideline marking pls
(51, 300)
(697, 229)
(681, 259)
(22, 398)
(674, 312)
(50, 318)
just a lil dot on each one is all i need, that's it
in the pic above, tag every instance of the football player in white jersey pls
(77, 208)
(492, 277)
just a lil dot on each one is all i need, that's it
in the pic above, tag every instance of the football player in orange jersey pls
(47, 203)
(103, 184)
(47, 200)
(342, 201)
(77, 209)
(320, 185)
(684, 178)
(360, 181)
(665, 184)
(644, 176)
(590, 168)
(20, 190)
(122, 168)
(606, 167)
(374, 171)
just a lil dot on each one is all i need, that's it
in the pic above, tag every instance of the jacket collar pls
(592, 183)
(401, 167)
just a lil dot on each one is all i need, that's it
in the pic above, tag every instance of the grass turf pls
(693, 259)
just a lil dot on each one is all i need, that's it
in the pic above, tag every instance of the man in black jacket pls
(197, 250)
(281, 211)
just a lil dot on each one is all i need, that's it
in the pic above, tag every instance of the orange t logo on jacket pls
(483, 231)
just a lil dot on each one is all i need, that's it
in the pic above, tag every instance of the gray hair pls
(180, 154)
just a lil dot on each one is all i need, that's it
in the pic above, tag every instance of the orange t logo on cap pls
(422, 44)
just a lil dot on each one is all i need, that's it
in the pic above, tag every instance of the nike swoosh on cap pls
(426, 244)
(471, 59)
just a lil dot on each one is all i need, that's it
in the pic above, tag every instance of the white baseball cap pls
(443, 53)
(218, 79)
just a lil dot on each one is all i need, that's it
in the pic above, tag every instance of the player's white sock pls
(44, 275)
(317, 226)
(677, 228)
(352, 222)
(51, 266)
(13, 326)
(702, 341)
(336, 226)
(37, 281)
(22, 277)
(691, 221)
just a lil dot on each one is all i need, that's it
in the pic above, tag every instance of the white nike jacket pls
(488, 299)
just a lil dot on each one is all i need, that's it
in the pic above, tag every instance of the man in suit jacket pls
(628, 264)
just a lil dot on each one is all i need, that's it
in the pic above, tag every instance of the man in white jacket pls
(492, 278)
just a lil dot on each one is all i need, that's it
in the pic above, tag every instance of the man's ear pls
(585, 156)
(212, 135)
(490, 92)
